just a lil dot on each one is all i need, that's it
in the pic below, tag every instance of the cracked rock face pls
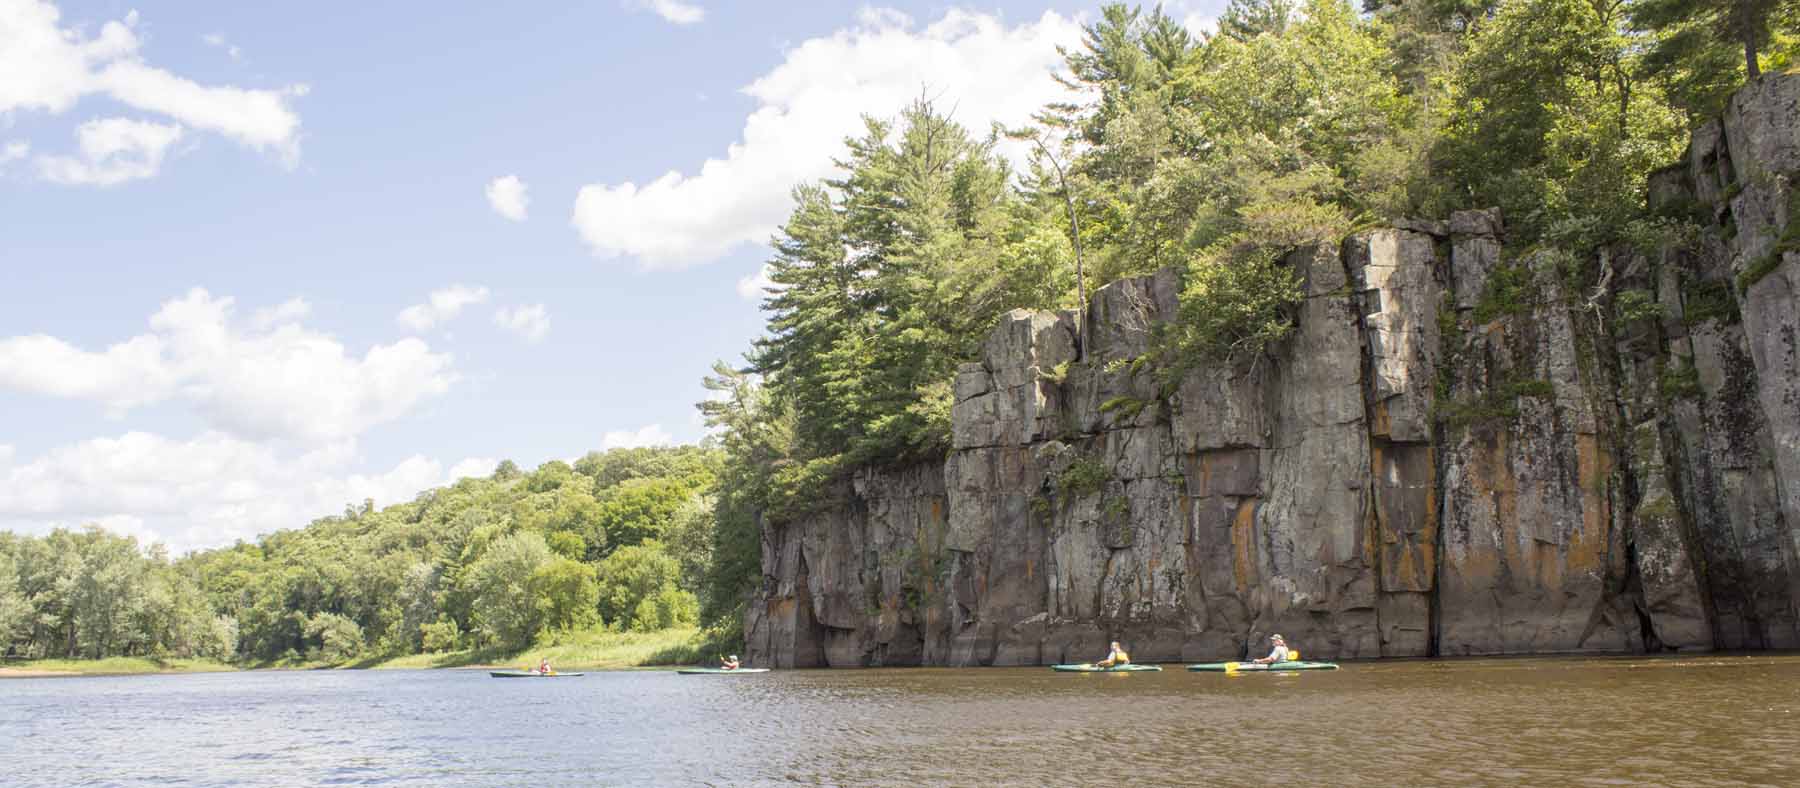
(1393, 479)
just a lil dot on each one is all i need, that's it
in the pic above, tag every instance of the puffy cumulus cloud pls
(269, 378)
(49, 67)
(674, 11)
(203, 492)
(121, 377)
(113, 151)
(531, 323)
(441, 306)
(288, 311)
(973, 64)
(506, 195)
(649, 435)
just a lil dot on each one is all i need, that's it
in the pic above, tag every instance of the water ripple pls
(1711, 720)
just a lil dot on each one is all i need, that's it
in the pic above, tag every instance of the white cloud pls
(755, 287)
(6, 453)
(13, 151)
(675, 11)
(217, 41)
(276, 380)
(48, 67)
(530, 322)
(113, 151)
(650, 435)
(202, 492)
(289, 311)
(441, 306)
(972, 63)
(506, 195)
(472, 467)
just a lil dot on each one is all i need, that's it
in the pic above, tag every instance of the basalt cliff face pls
(1456, 451)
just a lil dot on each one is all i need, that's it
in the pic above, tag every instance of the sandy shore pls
(25, 673)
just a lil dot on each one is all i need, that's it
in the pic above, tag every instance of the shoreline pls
(37, 669)
(584, 651)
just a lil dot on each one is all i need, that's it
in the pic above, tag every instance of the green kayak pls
(1089, 667)
(718, 671)
(1246, 667)
(527, 674)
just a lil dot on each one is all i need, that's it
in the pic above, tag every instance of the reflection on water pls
(1712, 720)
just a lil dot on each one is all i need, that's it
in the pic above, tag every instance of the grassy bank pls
(111, 666)
(591, 650)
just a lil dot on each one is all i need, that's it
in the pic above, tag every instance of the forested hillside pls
(1214, 156)
(619, 539)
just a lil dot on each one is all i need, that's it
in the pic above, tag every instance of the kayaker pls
(544, 666)
(1116, 657)
(729, 663)
(1277, 654)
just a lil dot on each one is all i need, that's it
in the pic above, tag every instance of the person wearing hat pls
(1115, 657)
(729, 663)
(1278, 654)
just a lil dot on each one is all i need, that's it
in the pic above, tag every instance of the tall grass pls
(114, 666)
(588, 649)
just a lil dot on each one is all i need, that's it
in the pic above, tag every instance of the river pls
(1707, 720)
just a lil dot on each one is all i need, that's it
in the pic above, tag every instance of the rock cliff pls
(1458, 450)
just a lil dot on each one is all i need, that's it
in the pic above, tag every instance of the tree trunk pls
(1750, 66)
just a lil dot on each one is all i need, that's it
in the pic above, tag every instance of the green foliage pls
(565, 595)
(1552, 121)
(1680, 381)
(1231, 308)
(639, 509)
(1128, 408)
(91, 594)
(442, 635)
(335, 638)
(1757, 269)
(1117, 509)
(1704, 301)
(567, 544)
(496, 562)
(1085, 476)
(1637, 305)
(640, 590)
(500, 586)
(1703, 49)
(1509, 291)
(1498, 404)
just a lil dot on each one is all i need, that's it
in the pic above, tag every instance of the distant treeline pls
(620, 539)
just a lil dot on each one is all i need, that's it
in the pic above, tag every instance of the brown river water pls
(1705, 720)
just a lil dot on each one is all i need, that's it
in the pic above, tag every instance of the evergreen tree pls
(1704, 49)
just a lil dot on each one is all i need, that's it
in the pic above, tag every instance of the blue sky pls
(214, 218)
